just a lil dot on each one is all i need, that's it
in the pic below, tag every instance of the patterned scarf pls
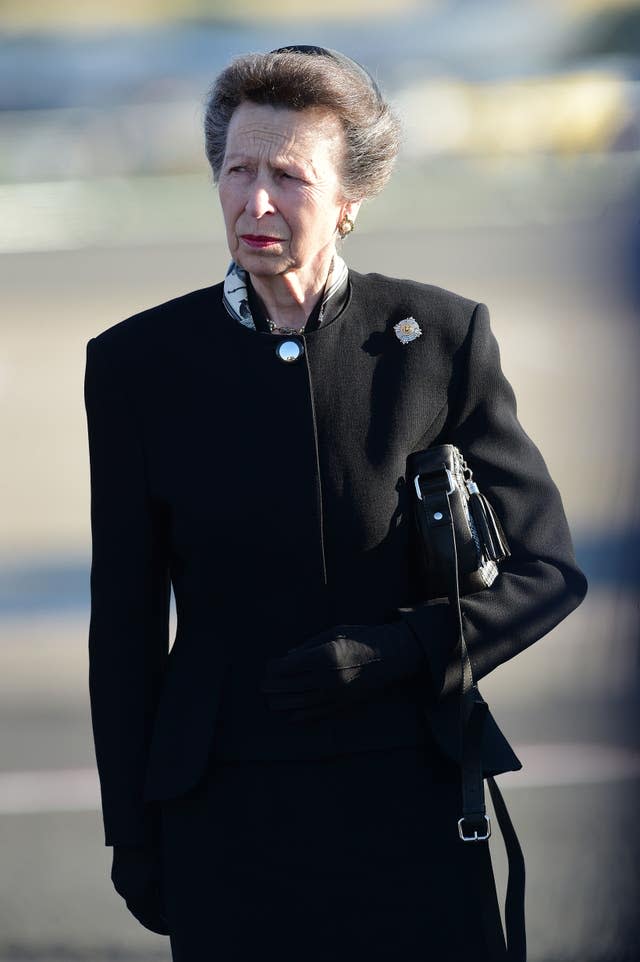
(236, 299)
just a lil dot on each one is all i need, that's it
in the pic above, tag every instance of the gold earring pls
(345, 226)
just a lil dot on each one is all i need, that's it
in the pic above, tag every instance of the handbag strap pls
(474, 825)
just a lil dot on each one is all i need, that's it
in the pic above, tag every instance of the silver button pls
(289, 350)
(438, 515)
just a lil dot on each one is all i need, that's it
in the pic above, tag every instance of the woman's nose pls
(260, 203)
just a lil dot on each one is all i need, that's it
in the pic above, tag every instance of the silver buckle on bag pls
(452, 485)
(475, 837)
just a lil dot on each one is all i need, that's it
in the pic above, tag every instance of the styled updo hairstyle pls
(301, 77)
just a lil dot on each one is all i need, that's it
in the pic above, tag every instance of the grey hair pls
(296, 81)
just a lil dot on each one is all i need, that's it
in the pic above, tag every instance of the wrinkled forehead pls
(312, 136)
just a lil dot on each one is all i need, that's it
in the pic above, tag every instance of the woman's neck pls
(289, 298)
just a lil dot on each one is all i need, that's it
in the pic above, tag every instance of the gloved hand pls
(136, 876)
(341, 665)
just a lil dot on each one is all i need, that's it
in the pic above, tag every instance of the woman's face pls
(279, 188)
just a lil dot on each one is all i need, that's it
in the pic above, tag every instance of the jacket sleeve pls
(130, 595)
(540, 583)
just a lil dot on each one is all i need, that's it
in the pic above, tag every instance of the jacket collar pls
(242, 303)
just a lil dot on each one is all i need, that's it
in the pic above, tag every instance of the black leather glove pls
(136, 876)
(341, 665)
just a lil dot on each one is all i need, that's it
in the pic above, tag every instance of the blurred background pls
(519, 186)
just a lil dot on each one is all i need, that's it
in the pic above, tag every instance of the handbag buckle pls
(475, 837)
(452, 484)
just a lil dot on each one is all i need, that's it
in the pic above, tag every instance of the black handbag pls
(480, 541)
(462, 545)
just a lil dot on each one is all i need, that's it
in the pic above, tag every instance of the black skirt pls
(353, 858)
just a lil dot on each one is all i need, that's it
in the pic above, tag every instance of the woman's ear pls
(351, 209)
(348, 216)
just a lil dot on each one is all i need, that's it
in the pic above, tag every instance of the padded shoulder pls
(397, 289)
(446, 313)
(153, 324)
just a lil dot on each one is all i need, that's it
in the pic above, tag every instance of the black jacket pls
(273, 496)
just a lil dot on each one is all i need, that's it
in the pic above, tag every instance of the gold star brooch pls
(407, 330)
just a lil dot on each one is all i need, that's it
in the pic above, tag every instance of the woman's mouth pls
(259, 240)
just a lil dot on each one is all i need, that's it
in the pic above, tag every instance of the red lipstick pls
(259, 240)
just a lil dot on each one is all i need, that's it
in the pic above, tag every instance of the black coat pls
(274, 497)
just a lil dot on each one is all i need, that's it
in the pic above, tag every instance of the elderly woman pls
(274, 785)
